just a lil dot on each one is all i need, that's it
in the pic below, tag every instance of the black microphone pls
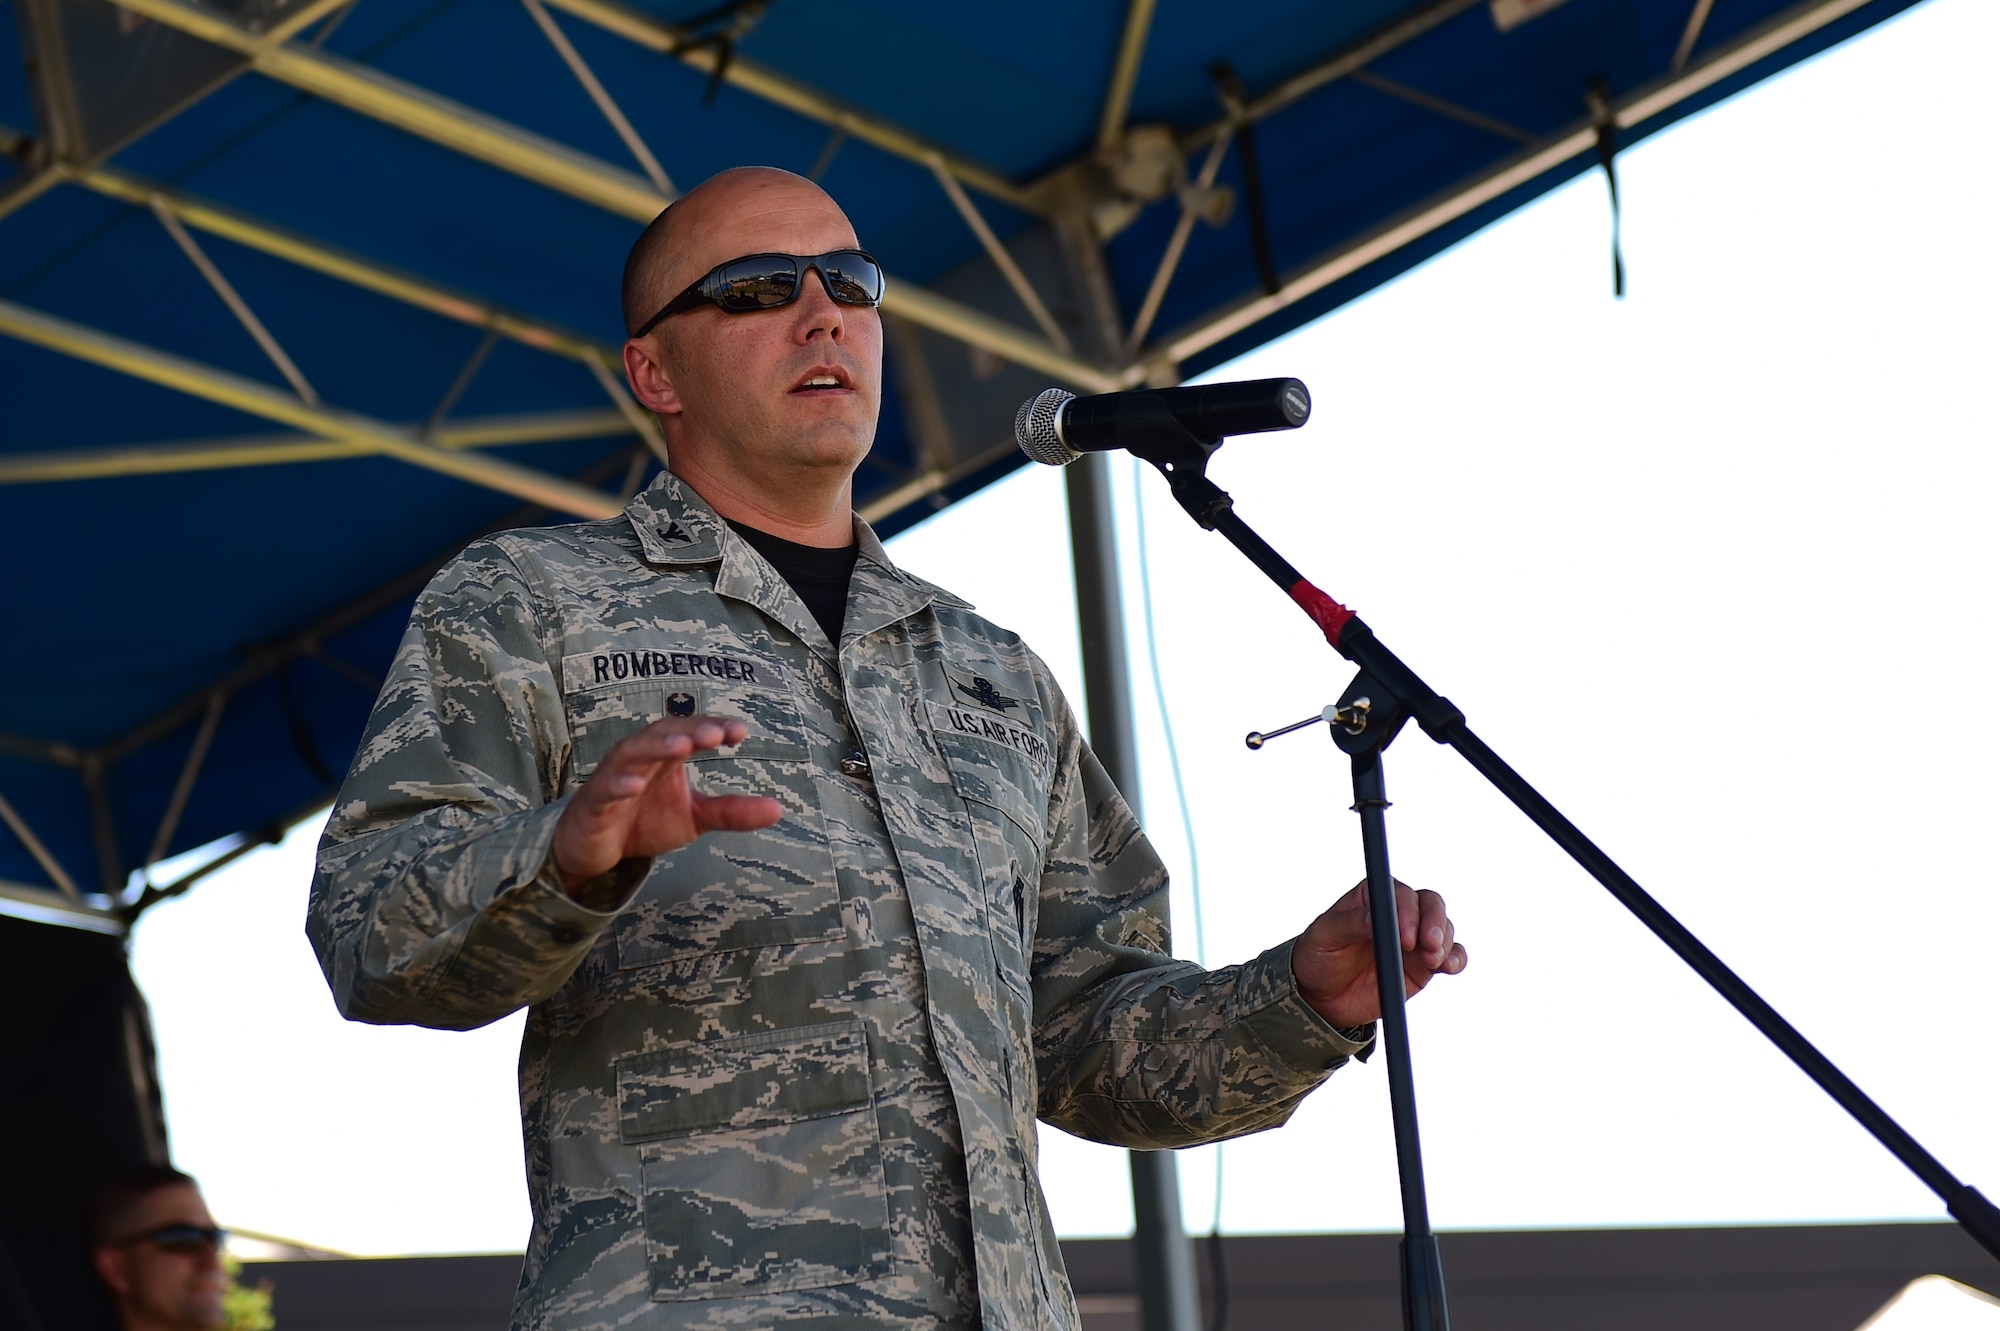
(1057, 427)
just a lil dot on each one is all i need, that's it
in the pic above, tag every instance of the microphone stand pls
(1363, 723)
(1152, 433)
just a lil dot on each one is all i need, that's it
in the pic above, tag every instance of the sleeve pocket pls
(761, 1162)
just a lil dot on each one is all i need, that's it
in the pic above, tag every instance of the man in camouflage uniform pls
(813, 915)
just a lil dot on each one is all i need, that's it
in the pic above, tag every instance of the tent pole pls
(1168, 1300)
(1167, 1296)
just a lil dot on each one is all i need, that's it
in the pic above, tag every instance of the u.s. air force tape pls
(995, 730)
(613, 667)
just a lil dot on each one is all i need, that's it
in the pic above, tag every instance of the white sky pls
(1707, 565)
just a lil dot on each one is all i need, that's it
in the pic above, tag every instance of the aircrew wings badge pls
(981, 693)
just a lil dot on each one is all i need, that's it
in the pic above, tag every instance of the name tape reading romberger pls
(596, 670)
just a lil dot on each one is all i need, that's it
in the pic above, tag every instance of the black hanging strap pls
(1598, 99)
(1234, 97)
(1253, 208)
(728, 25)
(295, 722)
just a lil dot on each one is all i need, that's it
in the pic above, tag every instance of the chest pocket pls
(1001, 767)
(732, 890)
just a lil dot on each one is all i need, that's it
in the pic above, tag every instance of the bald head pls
(692, 234)
(766, 412)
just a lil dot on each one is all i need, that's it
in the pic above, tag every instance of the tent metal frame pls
(522, 152)
(116, 907)
(1078, 201)
(1536, 159)
(360, 434)
(78, 464)
(1071, 199)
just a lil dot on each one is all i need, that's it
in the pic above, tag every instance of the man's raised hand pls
(1334, 959)
(638, 802)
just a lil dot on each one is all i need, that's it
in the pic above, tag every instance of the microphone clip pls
(1150, 431)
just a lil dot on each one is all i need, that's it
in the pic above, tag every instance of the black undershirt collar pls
(819, 575)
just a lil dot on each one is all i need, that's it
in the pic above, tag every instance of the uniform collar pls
(881, 593)
(675, 526)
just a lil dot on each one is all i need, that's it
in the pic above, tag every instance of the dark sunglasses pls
(183, 1239)
(767, 281)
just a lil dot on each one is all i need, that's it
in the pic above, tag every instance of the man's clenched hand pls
(1334, 959)
(638, 802)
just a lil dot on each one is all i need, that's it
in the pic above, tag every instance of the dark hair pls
(115, 1201)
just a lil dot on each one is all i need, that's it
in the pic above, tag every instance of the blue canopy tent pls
(300, 295)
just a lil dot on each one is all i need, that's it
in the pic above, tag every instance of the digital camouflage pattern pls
(794, 1078)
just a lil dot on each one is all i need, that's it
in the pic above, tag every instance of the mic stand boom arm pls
(1184, 462)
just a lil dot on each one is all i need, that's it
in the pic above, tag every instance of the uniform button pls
(855, 764)
(564, 935)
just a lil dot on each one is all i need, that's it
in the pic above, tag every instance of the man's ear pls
(651, 381)
(111, 1269)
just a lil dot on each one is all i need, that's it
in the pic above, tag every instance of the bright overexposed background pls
(1712, 565)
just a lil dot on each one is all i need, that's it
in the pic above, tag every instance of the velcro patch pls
(624, 665)
(1007, 734)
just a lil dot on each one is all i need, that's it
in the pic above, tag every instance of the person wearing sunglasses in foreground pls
(159, 1252)
(812, 889)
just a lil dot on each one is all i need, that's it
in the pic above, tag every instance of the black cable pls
(1598, 99)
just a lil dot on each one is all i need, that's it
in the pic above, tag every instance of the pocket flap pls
(1005, 765)
(745, 1082)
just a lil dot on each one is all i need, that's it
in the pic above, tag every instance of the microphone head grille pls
(1037, 431)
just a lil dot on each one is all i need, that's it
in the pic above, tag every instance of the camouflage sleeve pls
(434, 900)
(1134, 1048)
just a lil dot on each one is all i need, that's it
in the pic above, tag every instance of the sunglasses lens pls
(763, 281)
(187, 1239)
(852, 278)
(757, 284)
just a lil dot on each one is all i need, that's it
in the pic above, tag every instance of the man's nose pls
(818, 311)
